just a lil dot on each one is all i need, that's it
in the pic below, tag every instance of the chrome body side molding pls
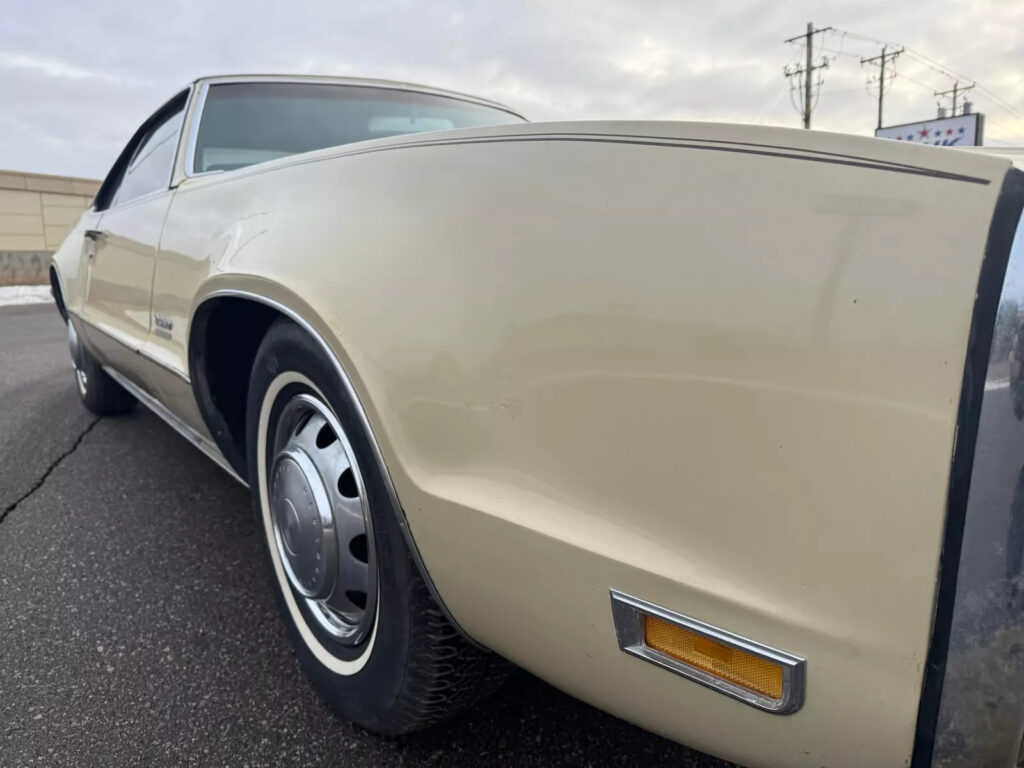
(136, 349)
(628, 614)
(177, 424)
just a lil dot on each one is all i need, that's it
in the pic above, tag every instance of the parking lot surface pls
(138, 625)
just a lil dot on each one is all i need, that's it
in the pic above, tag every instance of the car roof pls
(364, 82)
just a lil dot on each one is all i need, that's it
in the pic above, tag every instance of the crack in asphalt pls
(53, 465)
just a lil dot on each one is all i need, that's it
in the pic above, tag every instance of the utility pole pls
(955, 91)
(807, 71)
(885, 56)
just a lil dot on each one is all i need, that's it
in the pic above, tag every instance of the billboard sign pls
(959, 131)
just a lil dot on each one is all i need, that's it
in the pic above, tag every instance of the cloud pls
(48, 67)
(77, 79)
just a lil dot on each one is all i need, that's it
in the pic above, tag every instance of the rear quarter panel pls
(720, 377)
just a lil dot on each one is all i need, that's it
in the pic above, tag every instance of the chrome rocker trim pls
(132, 347)
(183, 429)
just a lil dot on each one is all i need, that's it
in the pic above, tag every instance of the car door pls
(121, 246)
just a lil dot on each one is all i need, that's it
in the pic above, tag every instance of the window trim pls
(114, 203)
(193, 134)
(195, 112)
(108, 189)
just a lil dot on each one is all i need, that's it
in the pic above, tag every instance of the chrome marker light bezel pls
(628, 615)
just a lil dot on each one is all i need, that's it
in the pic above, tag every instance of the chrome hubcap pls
(303, 524)
(321, 521)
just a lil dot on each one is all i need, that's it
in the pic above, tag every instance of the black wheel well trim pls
(219, 375)
(1003, 226)
(350, 392)
(57, 289)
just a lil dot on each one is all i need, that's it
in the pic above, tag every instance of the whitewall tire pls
(366, 630)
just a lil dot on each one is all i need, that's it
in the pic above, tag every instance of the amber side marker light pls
(736, 666)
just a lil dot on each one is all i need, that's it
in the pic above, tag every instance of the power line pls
(955, 76)
(991, 125)
(1012, 113)
(834, 52)
(1016, 111)
(938, 67)
(806, 72)
(874, 40)
(952, 74)
(931, 90)
(837, 91)
(770, 104)
(955, 91)
(805, 91)
(882, 59)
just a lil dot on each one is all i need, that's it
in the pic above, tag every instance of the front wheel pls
(376, 645)
(99, 392)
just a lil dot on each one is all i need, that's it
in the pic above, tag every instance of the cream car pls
(697, 422)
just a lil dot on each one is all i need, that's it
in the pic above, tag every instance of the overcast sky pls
(76, 78)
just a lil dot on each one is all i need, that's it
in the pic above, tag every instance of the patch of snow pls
(11, 295)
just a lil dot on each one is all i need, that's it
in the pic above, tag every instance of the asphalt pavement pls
(137, 624)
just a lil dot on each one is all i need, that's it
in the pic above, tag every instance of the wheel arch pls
(57, 289)
(249, 310)
(224, 334)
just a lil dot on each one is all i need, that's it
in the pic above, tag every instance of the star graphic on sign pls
(938, 133)
(960, 131)
(949, 131)
(924, 132)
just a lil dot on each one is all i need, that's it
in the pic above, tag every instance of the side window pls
(149, 169)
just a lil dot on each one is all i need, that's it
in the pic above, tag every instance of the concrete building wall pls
(36, 214)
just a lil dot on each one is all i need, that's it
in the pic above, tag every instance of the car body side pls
(714, 367)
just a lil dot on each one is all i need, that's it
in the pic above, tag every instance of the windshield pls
(247, 123)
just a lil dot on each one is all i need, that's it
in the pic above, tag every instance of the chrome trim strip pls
(138, 200)
(403, 522)
(627, 615)
(177, 424)
(136, 350)
(187, 91)
(181, 130)
(184, 377)
(195, 117)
